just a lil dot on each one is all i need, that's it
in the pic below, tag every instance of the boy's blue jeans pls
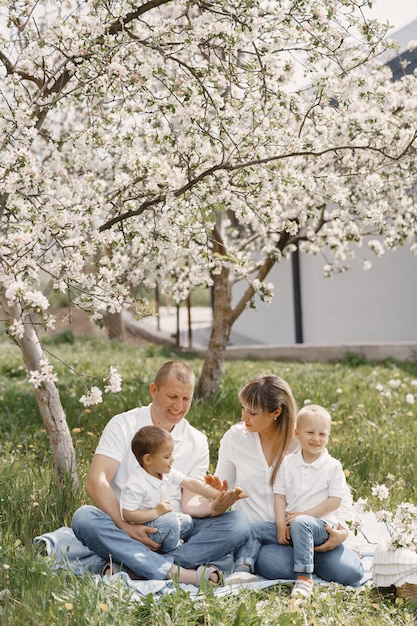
(171, 528)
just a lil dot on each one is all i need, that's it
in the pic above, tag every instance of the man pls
(217, 531)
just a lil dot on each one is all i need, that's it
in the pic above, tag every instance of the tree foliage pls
(193, 143)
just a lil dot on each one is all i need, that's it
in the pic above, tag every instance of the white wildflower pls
(409, 398)
(380, 491)
(361, 505)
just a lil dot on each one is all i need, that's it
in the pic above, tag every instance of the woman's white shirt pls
(241, 461)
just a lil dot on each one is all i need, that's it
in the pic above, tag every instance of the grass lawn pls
(374, 435)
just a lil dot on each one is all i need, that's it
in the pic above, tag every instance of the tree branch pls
(232, 167)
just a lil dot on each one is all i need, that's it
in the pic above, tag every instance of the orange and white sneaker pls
(302, 590)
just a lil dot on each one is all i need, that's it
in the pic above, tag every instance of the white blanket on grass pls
(66, 552)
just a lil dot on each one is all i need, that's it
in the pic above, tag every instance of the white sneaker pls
(240, 577)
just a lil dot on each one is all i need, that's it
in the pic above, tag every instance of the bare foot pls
(182, 575)
(193, 577)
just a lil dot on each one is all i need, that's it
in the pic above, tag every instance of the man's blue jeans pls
(211, 539)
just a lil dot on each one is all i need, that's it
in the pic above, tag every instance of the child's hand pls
(216, 483)
(291, 514)
(163, 507)
(284, 536)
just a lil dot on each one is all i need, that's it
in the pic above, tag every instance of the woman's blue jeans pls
(274, 561)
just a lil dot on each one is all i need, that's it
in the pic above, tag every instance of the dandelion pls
(394, 383)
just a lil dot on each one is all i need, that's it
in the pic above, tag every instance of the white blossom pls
(114, 381)
(93, 396)
(17, 329)
(43, 375)
(194, 151)
(380, 491)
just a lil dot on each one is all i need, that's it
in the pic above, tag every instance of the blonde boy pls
(307, 493)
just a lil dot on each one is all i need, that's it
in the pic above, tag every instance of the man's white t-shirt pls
(144, 491)
(308, 484)
(191, 451)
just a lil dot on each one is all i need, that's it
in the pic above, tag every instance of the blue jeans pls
(261, 533)
(171, 528)
(340, 565)
(211, 539)
(306, 532)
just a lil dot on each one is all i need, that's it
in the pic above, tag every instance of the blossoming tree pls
(188, 143)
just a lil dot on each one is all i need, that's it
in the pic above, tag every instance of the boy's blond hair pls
(314, 409)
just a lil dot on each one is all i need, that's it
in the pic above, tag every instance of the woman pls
(249, 457)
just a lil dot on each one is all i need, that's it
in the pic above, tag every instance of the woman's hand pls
(214, 481)
(290, 516)
(336, 537)
(224, 500)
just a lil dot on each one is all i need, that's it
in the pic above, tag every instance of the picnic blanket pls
(67, 552)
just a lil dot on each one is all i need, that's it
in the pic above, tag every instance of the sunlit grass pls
(374, 434)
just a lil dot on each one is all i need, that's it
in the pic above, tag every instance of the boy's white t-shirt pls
(144, 491)
(308, 484)
(242, 463)
(191, 451)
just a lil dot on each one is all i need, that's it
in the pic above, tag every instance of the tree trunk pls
(114, 325)
(47, 396)
(220, 332)
(224, 316)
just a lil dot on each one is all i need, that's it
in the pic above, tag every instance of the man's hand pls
(224, 500)
(336, 537)
(140, 532)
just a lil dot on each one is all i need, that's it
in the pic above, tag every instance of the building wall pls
(378, 305)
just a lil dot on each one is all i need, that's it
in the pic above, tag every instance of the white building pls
(374, 306)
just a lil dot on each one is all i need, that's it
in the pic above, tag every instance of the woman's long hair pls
(269, 392)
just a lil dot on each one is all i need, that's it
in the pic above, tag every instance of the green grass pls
(374, 434)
